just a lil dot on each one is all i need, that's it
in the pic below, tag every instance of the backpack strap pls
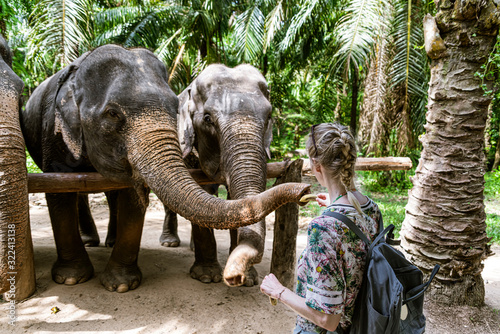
(349, 224)
(422, 288)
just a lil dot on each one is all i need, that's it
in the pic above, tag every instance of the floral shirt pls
(330, 269)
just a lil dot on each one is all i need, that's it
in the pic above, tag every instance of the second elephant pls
(225, 116)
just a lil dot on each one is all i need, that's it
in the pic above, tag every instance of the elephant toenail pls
(70, 281)
(205, 279)
(122, 288)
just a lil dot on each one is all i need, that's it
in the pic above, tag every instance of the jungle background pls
(358, 62)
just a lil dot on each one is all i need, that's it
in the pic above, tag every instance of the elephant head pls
(114, 109)
(226, 114)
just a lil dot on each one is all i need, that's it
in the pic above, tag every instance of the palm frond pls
(357, 32)
(409, 64)
(274, 21)
(62, 29)
(249, 31)
(298, 21)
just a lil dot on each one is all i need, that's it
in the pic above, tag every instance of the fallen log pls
(95, 182)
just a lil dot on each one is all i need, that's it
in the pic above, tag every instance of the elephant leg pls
(88, 230)
(112, 197)
(206, 267)
(169, 236)
(234, 240)
(122, 272)
(73, 264)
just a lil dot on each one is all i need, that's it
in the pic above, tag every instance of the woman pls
(330, 269)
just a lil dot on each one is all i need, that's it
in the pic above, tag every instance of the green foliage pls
(491, 193)
(392, 207)
(490, 82)
(409, 64)
(492, 184)
(30, 164)
(493, 227)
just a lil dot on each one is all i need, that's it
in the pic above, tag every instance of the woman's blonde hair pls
(332, 146)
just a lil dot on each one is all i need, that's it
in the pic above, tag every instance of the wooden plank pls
(286, 225)
(95, 182)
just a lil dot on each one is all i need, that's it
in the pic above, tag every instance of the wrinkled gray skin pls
(112, 111)
(225, 115)
(15, 234)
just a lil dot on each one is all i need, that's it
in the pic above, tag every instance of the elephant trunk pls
(155, 156)
(17, 270)
(245, 170)
(244, 158)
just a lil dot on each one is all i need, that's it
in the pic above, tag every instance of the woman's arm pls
(273, 288)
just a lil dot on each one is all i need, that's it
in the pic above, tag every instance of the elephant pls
(225, 117)
(111, 111)
(17, 273)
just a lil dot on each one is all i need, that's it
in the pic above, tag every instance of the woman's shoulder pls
(327, 226)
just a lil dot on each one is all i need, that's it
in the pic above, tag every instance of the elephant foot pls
(239, 268)
(110, 241)
(90, 240)
(170, 240)
(121, 278)
(72, 272)
(206, 273)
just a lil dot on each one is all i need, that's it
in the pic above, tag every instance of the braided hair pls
(332, 146)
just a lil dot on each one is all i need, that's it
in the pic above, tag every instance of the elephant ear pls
(185, 122)
(67, 114)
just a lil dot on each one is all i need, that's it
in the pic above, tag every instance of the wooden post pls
(286, 225)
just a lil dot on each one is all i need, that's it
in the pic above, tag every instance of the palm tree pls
(61, 30)
(185, 35)
(395, 93)
(445, 217)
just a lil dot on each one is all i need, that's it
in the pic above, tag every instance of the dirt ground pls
(169, 301)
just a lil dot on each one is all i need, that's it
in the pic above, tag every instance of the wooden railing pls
(95, 182)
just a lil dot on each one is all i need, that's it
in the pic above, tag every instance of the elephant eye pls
(112, 113)
(207, 118)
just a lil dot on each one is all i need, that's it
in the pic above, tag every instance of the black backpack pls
(391, 299)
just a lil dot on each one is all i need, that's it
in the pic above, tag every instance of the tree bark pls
(445, 217)
(286, 225)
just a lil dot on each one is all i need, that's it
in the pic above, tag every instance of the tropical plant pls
(60, 31)
(395, 94)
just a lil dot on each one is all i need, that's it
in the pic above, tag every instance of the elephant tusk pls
(308, 198)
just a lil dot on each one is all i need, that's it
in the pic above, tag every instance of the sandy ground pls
(169, 301)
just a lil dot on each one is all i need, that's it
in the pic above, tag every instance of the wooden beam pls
(286, 225)
(95, 182)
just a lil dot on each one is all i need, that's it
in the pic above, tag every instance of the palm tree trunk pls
(445, 217)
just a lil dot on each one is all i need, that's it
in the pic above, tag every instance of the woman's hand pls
(323, 199)
(271, 286)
